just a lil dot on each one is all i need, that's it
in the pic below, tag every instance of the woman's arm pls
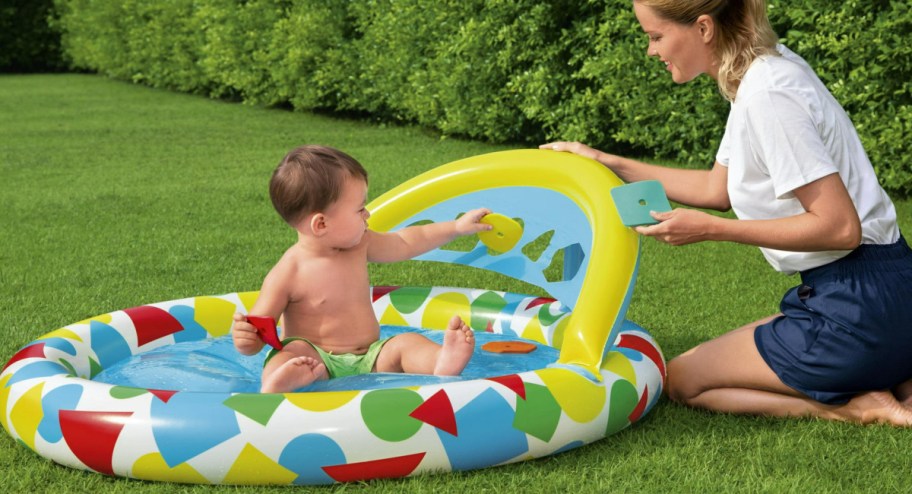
(830, 222)
(696, 188)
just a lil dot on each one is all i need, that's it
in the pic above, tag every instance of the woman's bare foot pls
(458, 345)
(876, 407)
(296, 373)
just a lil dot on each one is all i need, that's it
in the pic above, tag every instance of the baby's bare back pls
(330, 303)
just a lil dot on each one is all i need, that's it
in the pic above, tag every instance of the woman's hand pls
(679, 226)
(572, 147)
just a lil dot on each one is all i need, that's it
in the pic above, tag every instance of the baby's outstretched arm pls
(470, 222)
(412, 241)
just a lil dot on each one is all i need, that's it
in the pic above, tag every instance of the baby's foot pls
(296, 373)
(458, 345)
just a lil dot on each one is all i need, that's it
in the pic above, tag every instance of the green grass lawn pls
(116, 195)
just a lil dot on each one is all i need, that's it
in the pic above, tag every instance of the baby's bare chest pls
(339, 286)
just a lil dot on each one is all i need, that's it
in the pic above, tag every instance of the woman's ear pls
(707, 27)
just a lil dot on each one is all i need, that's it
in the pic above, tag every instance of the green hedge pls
(28, 40)
(519, 71)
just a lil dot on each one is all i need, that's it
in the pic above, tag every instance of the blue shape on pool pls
(485, 421)
(62, 398)
(203, 424)
(307, 454)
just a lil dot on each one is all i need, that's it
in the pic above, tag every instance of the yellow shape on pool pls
(68, 334)
(619, 364)
(533, 331)
(321, 402)
(153, 467)
(27, 414)
(392, 317)
(557, 337)
(248, 299)
(442, 307)
(214, 314)
(103, 318)
(580, 398)
(254, 467)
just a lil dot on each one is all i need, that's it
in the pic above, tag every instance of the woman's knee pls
(681, 386)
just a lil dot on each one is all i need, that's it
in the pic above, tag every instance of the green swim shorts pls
(343, 364)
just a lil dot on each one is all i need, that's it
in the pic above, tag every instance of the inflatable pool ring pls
(609, 374)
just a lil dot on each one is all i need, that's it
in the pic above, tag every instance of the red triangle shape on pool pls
(31, 351)
(438, 412)
(641, 345)
(640, 408)
(379, 291)
(152, 323)
(163, 394)
(539, 301)
(398, 466)
(512, 381)
(91, 436)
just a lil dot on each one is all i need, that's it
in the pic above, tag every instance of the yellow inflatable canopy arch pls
(564, 204)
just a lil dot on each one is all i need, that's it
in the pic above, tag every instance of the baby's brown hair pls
(309, 179)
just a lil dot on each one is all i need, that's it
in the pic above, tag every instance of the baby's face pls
(347, 217)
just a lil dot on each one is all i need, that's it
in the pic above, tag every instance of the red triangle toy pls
(266, 330)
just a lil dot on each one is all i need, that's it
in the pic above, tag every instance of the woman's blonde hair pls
(742, 33)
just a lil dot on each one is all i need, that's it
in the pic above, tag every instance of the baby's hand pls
(244, 335)
(468, 223)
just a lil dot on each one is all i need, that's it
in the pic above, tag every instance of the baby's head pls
(309, 179)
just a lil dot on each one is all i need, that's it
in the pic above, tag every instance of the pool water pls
(214, 365)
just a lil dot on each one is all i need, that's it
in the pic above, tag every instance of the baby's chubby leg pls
(413, 353)
(296, 366)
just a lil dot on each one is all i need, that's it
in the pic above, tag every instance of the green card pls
(635, 200)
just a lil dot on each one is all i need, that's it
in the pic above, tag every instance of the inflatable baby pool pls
(608, 375)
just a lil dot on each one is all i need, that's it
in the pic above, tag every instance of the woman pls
(792, 167)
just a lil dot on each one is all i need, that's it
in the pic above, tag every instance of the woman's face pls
(686, 49)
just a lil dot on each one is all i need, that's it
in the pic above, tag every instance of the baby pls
(320, 286)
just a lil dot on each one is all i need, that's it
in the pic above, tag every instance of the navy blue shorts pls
(847, 328)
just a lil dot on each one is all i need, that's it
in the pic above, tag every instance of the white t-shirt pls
(786, 130)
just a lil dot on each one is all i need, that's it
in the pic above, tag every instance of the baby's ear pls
(316, 224)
